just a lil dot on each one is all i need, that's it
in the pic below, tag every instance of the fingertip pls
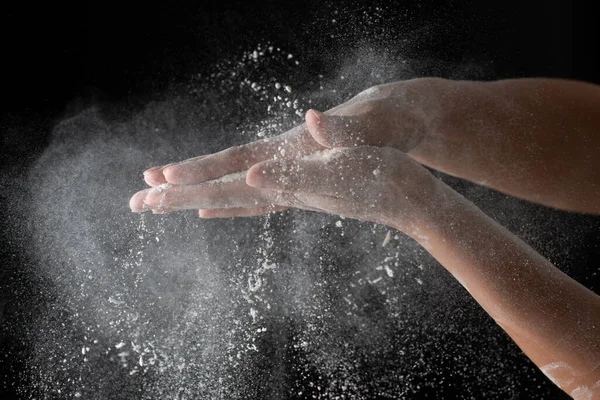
(173, 174)
(150, 170)
(136, 203)
(254, 176)
(315, 121)
(154, 177)
(314, 118)
(266, 175)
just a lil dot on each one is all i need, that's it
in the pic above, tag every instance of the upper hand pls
(393, 115)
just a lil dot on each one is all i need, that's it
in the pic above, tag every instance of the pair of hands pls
(360, 160)
(351, 161)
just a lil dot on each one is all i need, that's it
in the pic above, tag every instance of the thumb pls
(337, 131)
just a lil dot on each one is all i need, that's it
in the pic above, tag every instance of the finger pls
(335, 173)
(136, 203)
(208, 196)
(359, 182)
(295, 176)
(239, 212)
(294, 143)
(343, 131)
(322, 203)
(155, 177)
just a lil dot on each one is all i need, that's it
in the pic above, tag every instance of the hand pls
(396, 115)
(365, 168)
(378, 184)
(393, 115)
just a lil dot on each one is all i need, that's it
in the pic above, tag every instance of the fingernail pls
(205, 214)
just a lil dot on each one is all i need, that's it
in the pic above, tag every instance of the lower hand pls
(379, 184)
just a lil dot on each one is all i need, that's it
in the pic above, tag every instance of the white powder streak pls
(236, 176)
(324, 155)
(550, 368)
(386, 240)
(389, 271)
(582, 393)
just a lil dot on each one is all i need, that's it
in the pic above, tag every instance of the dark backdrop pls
(58, 59)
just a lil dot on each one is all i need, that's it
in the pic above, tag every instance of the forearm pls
(537, 139)
(554, 319)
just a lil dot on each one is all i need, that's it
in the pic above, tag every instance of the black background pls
(59, 59)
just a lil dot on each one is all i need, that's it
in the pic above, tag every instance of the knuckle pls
(291, 198)
(285, 198)
(371, 92)
(238, 152)
(389, 154)
(371, 107)
(372, 114)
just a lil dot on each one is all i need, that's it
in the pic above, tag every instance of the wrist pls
(433, 206)
(450, 110)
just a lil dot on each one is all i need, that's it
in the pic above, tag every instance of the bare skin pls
(536, 139)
